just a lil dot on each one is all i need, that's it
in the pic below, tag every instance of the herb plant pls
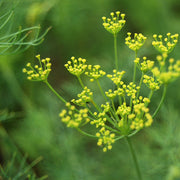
(124, 111)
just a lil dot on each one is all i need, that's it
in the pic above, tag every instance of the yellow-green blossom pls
(141, 117)
(151, 83)
(112, 94)
(116, 77)
(74, 118)
(123, 110)
(94, 72)
(166, 76)
(115, 24)
(146, 65)
(76, 66)
(136, 43)
(165, 45)
(131, 90)
(105, 139)
(38, 72)
(101, 116)
(84, 97)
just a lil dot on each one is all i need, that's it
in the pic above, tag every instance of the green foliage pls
(19, 40)
(19, 170)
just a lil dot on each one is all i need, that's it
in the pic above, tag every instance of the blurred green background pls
(29, 122)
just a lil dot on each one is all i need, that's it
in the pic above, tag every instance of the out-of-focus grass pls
(77, 30)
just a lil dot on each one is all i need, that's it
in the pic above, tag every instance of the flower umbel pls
(38, 72)
(136, 43)
(165, 45)
(105, 138)
(84, 97)
(76, 66)
(115, 24)
(94, 72)
(74, 118)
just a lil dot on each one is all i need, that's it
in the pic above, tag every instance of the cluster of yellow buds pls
(135, 117)
(146, 65)
(112, 94)
(38, 72)
(76, 66)
(105, 138)
(131, 90)
(100, 118)
(166, 76)
(123, 110)
(136, 43)
(84, 97)
(73, 117)
(94, 72)
(115, 24)
(165, 45)
(141, 117)
(151, 83)
(116, 77)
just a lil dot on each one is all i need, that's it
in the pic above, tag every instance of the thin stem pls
(115, 51)
(150, 94)
(134, 76)
(134, 157)
(119, 97)
(85, 133)
(101, 90)
(140, 84)
(161, 101)
(54, 91)
(80, 81)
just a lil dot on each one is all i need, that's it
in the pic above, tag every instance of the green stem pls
(119, 97)
(140, 84)
(101, 90)
(85, 133)
(161, 101)
(54, 91)
(134, 75)
(134, 157)
(115, 51)
(150, 94)
(80, 81)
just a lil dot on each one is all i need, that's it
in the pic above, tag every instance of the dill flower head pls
(94, 72)
(166, 75)
(73, 117)
(151, 82)
(146, 65)
(84, 97)
(165, 45)
(116, 77)
(38, 72)
(136, 43)
(106, 138)
(76, 66)
(114, 24)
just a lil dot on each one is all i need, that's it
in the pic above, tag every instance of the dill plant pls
(111, 122)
